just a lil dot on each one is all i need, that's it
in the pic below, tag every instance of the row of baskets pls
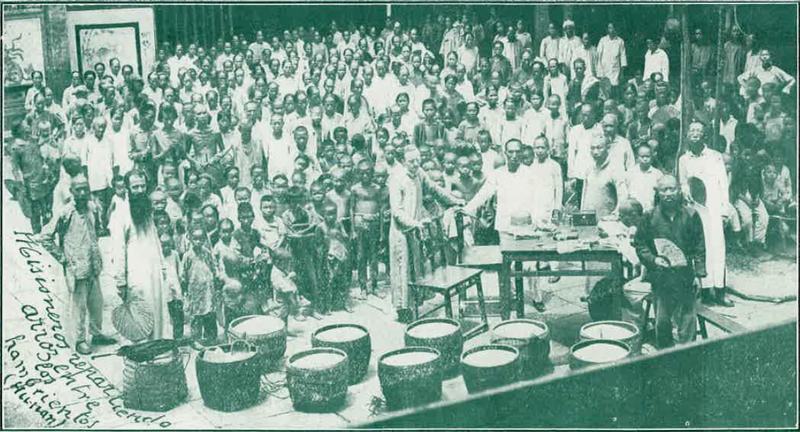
(318, 378)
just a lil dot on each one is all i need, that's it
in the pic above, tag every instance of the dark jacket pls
(685, 230)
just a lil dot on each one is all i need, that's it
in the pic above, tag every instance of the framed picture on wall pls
(23, 51)
(99, 43)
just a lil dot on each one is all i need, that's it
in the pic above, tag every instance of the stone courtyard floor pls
(47, 384)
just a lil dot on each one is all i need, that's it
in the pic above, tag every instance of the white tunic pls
(611, 58)
(709, 168)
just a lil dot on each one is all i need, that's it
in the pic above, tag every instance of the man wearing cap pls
(567, 46)
(77, 250)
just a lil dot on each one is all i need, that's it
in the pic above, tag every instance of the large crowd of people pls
(257, 175)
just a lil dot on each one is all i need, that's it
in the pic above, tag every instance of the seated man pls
(779, 202)
(670, 244)
(746, 192)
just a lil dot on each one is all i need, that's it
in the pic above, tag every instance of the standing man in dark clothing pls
(26, 159)
(672, 272)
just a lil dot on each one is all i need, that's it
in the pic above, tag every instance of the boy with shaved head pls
(364, 211)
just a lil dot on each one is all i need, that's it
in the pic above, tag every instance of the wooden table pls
(515, 252)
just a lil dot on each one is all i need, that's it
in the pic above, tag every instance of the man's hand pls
(122, 291)
(661, 262)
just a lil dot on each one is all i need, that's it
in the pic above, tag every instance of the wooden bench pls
(706, 314)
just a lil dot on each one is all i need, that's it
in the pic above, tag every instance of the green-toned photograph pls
(399, 215)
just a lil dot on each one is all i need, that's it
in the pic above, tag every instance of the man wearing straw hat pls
(77, 250)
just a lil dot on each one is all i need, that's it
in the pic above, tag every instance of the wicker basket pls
(155, 385)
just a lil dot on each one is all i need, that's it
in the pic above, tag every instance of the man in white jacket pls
(516, 201)
(655, 61)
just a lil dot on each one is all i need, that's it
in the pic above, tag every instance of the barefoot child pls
(364, 210)
(172, 280)
(336, 271)
(198, 278)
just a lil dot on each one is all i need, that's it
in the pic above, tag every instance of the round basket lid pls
(600, 351)
(254, 325)
(218, 355)
(518, 330)
(340, 333)
(432, 329)
(489, 357)
(614, 330)
(409, 357)
(318, 359)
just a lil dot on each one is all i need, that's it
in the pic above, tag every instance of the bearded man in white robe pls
(138, 264)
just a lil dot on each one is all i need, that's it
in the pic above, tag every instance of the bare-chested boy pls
(340, 194)
(365, 214)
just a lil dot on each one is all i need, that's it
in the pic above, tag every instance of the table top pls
(588, 241)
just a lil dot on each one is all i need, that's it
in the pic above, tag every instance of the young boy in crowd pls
(254, 276)
(273, 234)
(172, 266)
(340, 194)
(199, 279)
(336, 274)
(228, 200)
(303, 239)
(364, 210)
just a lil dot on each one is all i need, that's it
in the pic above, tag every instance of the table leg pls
(448, 304)
(481, 301)
(520, 291)
(616, 271)
(505, 289)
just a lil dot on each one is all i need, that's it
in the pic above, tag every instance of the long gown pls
(709, 168)
(138, 262)
(405, 200)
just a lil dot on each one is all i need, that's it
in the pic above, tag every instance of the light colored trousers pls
(87, 298)
(753, 219)
(532, 283)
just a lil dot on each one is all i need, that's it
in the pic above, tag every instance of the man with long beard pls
(704, 182)
(136, 253)
(672, 278)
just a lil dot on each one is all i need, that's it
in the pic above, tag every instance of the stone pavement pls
(46, 384)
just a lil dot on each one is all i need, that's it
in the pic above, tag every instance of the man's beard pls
(141, 210)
